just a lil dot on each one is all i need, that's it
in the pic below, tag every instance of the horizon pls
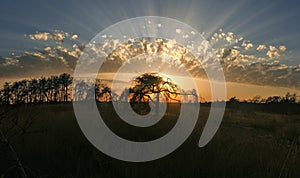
(249, 90)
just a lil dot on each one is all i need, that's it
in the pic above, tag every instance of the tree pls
(33, 88)
(43, 90)
(256, 99)
(274, 99)
(149, 84)
(65, 80)
(233, 100)
(289, 98)
(6, 93)
(56, 87)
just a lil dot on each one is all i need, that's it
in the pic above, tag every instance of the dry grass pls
(248, 144)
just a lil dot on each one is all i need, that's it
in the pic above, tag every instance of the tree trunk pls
(157, 103)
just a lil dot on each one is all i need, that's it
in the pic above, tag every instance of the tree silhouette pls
(274, 99)
(56, 85)
(6, 92)
(233, 100)
(289, 98)
(65, 80)
(149, 84)
(256, 99)
(43, 90)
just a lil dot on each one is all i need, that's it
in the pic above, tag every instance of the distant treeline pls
(288, 99)
(287, 104)
(58, 89)
(54, 89)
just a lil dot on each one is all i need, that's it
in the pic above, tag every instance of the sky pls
(258, 39)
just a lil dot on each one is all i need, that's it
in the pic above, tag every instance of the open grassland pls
(249, 143)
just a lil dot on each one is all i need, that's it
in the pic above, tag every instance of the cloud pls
(262, 67)
(221, 39)
(185, 36)
(40, 36)
(240, 64)
(262, 73)
(247, 45)
(59, 36)
(261, 47)
(282, 48)
(38, 54)
(48, 48)
(74, 37)
(178, 30)
(63, 60)
(9, 62)
(273, 54)
(37, 63)
(272, 48)
(228, 38)
(56, 35)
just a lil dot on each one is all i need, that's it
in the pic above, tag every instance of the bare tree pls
(152, 84)
(65, 80)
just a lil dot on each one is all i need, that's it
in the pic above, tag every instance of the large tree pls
(150, 85)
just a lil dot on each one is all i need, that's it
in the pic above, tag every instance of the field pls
(249, 143)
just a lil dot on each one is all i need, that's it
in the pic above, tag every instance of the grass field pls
(249, 143)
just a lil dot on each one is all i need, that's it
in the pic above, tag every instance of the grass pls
(249, 143)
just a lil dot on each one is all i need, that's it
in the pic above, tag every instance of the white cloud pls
(261, 47)
(63, 60)
(240, 64)
(247, 45)
(36, 54)
(273, 54)
(272, 48)
(282, 48)
(59, 36)
(40, 36)
(74, 37)
(48, 48)
(185, 36)
(10, 62)
(56, 35)
(178, 30)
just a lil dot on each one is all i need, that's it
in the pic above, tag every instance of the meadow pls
(252, 141)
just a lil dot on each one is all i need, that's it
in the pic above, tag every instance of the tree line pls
(288, 98)
(52, 89)
(58, 89)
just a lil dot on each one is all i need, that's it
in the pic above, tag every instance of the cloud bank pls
(242, 60)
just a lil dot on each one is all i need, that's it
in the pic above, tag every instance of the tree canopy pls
(149, 84)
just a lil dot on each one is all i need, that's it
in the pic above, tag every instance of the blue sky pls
(270, 29)
(274, 22)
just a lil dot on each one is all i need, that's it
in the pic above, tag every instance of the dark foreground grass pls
(248, 144)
